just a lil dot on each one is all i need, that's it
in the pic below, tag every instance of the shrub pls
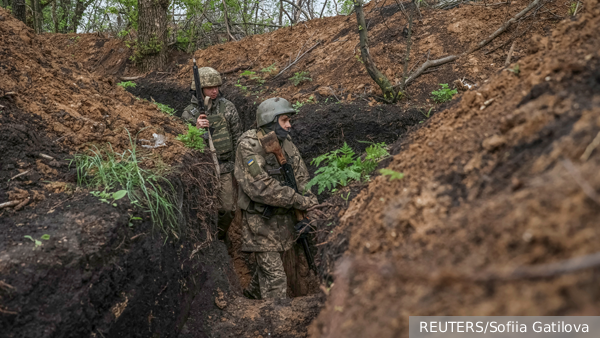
(252, 76)
(444, 94)
(165, 109)
(300, 77)
(343, 165)
(193, 139)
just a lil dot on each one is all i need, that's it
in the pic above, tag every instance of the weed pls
(298, 104)
(193, 139)
(516, 69)
(359, 59)
(252, 76)
(75, 38)
(300, 77)
(394, 175)
(127, 84)
(343, 165)
(444, 94)
(105, 196)
(146, 188)
(573, 8)
(426, 115)
(242, 87)
(269, 69)
(131, 219)
(38, 243)
(165, 109)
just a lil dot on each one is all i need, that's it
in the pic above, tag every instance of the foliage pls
(269, 69)
(127, 84)
(146, 188)
(573, 8)
(394, 175)
(444, 94)
(242, 87)
(343, 165)
(165, 109)
(252, 76)
(300, 77)
(38, 243)
(298, 104)
(516, 69)
(105, 196)
(193, 139)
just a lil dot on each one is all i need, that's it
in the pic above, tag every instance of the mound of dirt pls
(334, 64)
(488, 188)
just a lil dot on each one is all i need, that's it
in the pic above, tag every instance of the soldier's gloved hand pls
(302, 228)
(302, 202)
(202, 122)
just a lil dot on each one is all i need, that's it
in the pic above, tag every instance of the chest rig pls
(220, 135)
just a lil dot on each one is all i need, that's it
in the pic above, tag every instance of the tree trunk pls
(229, 36)
(54, 17)
(151, 48)
(18, 9)
(37, 16)
(63, 22)
(379, 78)
(280, 13)
(80, 7)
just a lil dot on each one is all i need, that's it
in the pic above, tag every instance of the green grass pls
(106, 170)
(127, 84)
(444, 94)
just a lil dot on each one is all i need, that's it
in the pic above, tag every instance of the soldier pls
(261, 185)
(224, 122)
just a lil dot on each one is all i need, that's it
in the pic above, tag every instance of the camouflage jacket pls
(258, 188)
(224, 138)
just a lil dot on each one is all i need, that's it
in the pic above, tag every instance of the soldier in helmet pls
(224, 121)
(261, 185)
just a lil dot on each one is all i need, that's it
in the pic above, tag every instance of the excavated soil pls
(486, 191)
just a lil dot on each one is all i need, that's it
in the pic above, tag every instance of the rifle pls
(200, 97)
(270, 144)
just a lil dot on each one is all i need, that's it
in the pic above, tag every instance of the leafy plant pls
(516, 69)
(146, 188)
(38, 243)
(394, 175)
(298, 104)
(105, 196)
(193, 139)
(573, 8)
(127, 84)
(131, 219)
(300, 77)
(269, 69)
(165, 109)
(444, 94)
(343, 165)
(241, 86)
(252, 76)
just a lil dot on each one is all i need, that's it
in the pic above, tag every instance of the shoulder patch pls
(253, 166)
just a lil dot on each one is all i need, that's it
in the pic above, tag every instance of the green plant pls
(573, 8)
(105, 196)
(131, 219)
(444, 94)
(146, 188)
(394, 175)
(193, 139)
(252, 76)
(269, 69)
(343, 165)
(126, 84)
(359, 59)
(241, 86)
(516, 69)
(38, 243)
(298, 104)
(300, 77)
(165, 109)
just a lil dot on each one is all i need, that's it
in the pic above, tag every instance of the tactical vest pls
(221, 136)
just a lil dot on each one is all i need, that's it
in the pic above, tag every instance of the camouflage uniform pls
(268, 238)
(227, 128)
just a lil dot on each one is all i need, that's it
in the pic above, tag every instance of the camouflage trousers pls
(269, 280)
(227, 203)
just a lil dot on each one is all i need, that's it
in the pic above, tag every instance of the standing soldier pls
(261, 185)
(224, 122)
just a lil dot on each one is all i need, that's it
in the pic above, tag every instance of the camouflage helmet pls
(268, 111)
(209, 77)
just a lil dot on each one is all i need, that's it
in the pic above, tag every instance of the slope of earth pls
(491, 196)
(334, 63)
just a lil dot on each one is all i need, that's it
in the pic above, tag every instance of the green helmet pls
(268, 111)
(209, 77)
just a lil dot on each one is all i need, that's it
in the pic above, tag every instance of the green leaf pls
(114, 205)
(45, 237)
(29, 237)
(119, 194)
